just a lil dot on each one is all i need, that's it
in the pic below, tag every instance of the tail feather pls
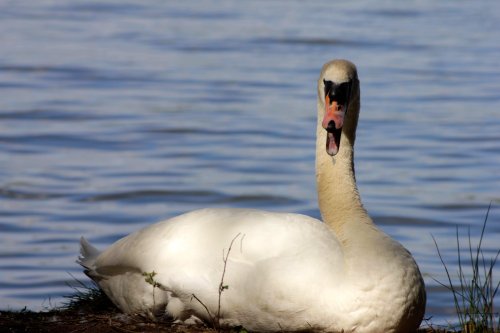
(88, 254)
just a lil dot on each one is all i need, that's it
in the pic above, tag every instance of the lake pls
(117, 114)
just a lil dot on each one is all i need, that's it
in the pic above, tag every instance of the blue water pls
(116, 114)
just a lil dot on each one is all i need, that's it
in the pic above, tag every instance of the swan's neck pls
(339, 199)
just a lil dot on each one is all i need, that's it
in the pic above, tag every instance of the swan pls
(270, 271)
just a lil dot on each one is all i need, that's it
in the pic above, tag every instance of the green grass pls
(473, 286)
(87, 299)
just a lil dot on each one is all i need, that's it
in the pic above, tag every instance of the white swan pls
(284, 272)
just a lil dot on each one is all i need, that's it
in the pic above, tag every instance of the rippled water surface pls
(116, 114)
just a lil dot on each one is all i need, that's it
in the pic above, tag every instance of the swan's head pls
(338, 94)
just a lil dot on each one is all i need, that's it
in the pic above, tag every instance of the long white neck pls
(375, 268)
(339, 199)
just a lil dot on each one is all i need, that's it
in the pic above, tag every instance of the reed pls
(473, 287)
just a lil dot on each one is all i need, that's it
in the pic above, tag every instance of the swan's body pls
(284, 272)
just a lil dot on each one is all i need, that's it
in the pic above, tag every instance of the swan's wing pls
(270, 252)
(202, 235)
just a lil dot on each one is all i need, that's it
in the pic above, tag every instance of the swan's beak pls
(332, 123)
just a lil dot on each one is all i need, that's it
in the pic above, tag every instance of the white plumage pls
(284, 272)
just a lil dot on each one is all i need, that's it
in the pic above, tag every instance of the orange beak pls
(333, 112)
(332, 123)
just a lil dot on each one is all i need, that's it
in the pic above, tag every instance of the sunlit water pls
(116, 114)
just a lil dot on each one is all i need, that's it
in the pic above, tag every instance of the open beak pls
(332, 123)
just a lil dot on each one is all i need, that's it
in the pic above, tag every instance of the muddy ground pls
(70, 321)
(73, 322)
(92, 312)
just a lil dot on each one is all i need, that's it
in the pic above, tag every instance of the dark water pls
(116, 114)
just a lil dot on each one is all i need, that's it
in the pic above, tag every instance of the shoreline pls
(107, 321)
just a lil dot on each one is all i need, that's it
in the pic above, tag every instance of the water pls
(115, 114)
